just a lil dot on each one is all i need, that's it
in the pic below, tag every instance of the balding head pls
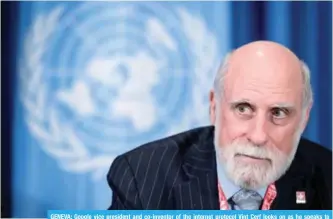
(257, 55)
(259, 107)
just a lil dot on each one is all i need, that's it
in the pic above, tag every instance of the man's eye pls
(244, 109)
(279, 113)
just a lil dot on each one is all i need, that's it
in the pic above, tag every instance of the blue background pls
(32, 182)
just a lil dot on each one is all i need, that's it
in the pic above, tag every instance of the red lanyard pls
(268, 199)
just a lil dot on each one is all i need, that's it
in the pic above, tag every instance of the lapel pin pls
(300, 197)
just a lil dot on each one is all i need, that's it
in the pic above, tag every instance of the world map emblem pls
(100, 79)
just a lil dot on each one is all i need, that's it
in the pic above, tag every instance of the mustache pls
(252, 156)
(254, 151)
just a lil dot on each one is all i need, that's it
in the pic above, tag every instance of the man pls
(253, 157)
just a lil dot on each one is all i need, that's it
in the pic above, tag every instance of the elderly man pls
(252, 158)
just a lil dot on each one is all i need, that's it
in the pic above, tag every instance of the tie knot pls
(246, 199)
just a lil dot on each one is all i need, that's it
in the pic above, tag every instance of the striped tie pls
(245, 200)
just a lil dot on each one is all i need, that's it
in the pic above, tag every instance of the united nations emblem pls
(103, 78)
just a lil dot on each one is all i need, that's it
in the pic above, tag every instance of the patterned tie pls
(245, 200)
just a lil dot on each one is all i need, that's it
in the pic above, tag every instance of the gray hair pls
(307, 98)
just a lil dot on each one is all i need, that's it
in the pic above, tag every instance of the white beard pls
(253, 175)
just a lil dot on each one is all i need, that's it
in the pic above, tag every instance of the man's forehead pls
(259, 84)
(268, 83)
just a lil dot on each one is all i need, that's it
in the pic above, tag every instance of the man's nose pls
(258, 131)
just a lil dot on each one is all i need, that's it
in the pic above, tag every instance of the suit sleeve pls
(125, 195)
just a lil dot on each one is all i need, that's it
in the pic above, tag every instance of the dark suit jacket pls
(179, 172)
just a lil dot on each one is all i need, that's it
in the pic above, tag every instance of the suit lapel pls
(297, 179)
(200, 188)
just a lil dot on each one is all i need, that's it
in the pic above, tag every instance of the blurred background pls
(83, 82)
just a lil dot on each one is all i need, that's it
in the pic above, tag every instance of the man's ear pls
(212, 107)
